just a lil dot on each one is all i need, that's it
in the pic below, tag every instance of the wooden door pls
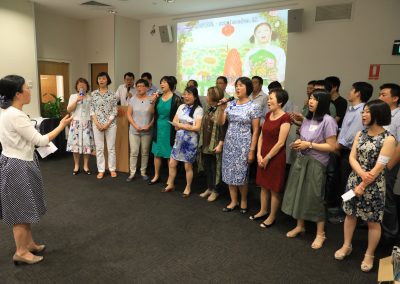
(96, 68)
(53, 68)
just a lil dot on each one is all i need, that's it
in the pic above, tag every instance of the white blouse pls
(18, 136)
(82, 110)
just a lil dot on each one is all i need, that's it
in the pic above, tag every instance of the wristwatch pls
(310, 146)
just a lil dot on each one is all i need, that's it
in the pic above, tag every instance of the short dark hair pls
(142, 81)
(170, 81)
(103, 74)
(223, 78)
(365, 90)
(146, 75)
(333, 81)
(193, 90)
(394, 90)
(215, 94)
(9, 86)
(259, 79)
(312, 82)
(380, 112)
(84, 81)
(327, 85)
(247, 82)
(281, 96)
(129, 74)
(194, 83)
(324, 100)
(274, 85)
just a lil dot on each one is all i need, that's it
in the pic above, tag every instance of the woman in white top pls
(80, 139)
(22, 200)
(187, 122)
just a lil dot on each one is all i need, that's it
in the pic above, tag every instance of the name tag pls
(313, 127)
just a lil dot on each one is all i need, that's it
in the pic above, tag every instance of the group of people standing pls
(224, 137)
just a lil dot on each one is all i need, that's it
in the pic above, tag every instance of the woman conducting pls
(22, 199)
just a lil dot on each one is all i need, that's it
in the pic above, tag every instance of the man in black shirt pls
(339, 102)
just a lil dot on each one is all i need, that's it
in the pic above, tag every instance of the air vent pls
(333, 12)
(94, 4)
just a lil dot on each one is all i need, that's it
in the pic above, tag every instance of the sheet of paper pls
(44, 151)
(348, 195)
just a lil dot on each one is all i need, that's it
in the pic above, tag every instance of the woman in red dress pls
(271, 156)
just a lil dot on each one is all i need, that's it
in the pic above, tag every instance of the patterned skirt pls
(22, 198)
(185, 147)
(80, 139)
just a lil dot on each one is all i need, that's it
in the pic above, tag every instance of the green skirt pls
(305, 190)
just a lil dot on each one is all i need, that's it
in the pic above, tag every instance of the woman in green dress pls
(165, 107)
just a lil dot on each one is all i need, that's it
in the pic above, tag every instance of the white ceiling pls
(145, 9)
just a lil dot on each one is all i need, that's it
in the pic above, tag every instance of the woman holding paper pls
(80, 139)
(371, 151)
(187, 123)
(304, 193)
(22, 199)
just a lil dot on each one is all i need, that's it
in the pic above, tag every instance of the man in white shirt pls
(259, 97)
(390, 94)
(126, 90)
(149, 78)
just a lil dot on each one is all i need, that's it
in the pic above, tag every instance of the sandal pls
(100, 175)
(344, 251)
(365, 267)
(113, 174)
(318, 241)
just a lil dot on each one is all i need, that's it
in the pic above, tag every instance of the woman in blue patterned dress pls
(240, 142)
(187, 122)
(369, 156)
(80, 139)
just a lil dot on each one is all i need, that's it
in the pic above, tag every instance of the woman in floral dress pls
(240, 142)
(371, 151)
(187, 122)
(80, 139)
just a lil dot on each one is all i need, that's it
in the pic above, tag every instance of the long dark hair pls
(324, 100)
(9, 87)
(193, 90)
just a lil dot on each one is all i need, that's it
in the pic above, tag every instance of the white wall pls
(100, 38)
(126, 48)
(62, 39)
(18, 46)
(341, 48)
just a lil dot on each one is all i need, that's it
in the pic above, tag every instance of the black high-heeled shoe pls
(227, 209)
(76, 172)
(243, 210)
(254, 218)
(87, 172)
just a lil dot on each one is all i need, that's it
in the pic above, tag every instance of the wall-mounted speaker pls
(165, 33)
(295, 21)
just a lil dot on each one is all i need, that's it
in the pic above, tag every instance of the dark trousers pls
(210, 170)
(332, 181)
(390, 224)
(338, 171)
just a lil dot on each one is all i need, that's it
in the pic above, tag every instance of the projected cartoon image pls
(234, 46)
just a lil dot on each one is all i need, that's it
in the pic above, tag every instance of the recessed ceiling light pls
(169, 1)
(112, 11)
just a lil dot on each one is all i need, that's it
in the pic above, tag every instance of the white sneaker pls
(205, 193)
(212, 197)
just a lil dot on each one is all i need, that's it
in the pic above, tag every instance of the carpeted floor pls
(110, 231)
